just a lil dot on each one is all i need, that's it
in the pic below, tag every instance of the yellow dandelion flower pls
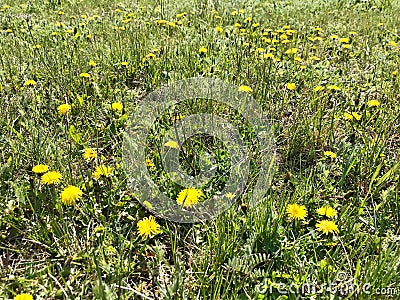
(180, 15)
(189, 197)
(91, 63)
(23, 296)
(269, 55)
(64, 109)
(291, 86)
(356, 116)
(245, 88)
(40, 169)
(297, 59)
(283, 36)
(327, 211)
(161, 22)
(128, 20)
(291, 51)
(37, 47)
(230, 196)
(219, 29)
(102, 170)
(51, 177)
(373, 103)
(326, 226)
(147, 227)
(116, 106)
(89, 154)
(352, 33)
(149, 56)
(296, 211)
(70, 194)
(124, 63)
(344, 40)
(179, 117)
(267, 31)
(394, 73)
(84, 75)
(348, 116)
(392, 43)
(30, 82)
(334, 37)
(318, 88)
(202, 50)
(149, 163)
(172, 144)
(346, 46)
(330, 154)
(333, 87)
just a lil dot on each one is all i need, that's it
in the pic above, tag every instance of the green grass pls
(92, 250)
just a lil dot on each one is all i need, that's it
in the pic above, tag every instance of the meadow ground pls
(324, 72)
